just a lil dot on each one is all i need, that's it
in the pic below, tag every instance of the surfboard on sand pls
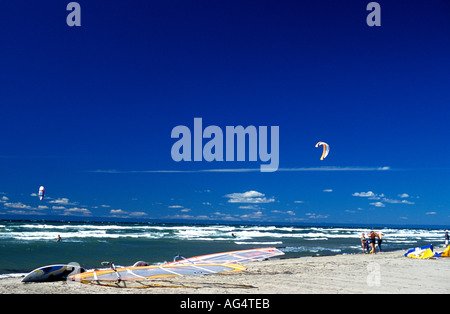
(52, 273)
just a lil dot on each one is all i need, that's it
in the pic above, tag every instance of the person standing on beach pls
(446, 238)
(373, 235)
(379, 234)
(364, 243)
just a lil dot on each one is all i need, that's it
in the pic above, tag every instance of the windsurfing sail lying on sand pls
(445, 253)
(240, 256)
(152, 272)
(424, 252)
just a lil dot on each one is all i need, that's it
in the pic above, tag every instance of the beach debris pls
(326, 149)
(41, 193)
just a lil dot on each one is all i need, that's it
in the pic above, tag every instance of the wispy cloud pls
(378, 204)
(18, 205)
(392, 201)
(255, 207)
(62, 201)
(316, 216)
(120, 213)
(289, 212)
(382, 199)
(233, 170)
(76, 211)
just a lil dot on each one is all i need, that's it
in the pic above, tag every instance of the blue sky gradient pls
(88, 111)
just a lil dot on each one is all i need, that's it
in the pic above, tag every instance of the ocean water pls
(26, 245)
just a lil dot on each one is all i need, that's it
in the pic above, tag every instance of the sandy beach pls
(389, 273)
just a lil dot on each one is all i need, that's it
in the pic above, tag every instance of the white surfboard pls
(52, 273)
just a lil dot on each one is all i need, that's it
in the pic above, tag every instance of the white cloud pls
(249, 207)
(62, 201)
(316, 216)
(255, 215)
(328, 190)
(251, 197)
(382, 200)
(22, 212)
(430, 213)
(17, 205)
(391, 201)
(58, 207)
(124, 214)
(175, 206)
(298, 202)
(117, 212)
(138, 214)
(246, 194)
(387, 200)
(200, 217)
(364, 194)
(77, 211)
(378, 204)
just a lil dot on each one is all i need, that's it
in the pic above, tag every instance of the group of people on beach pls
(372, 242)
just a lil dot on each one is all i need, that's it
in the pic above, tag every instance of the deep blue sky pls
(88, 111)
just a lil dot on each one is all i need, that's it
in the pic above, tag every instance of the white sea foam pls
(236, 233)
(314, 249)
(258, 243)
(15, 275)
